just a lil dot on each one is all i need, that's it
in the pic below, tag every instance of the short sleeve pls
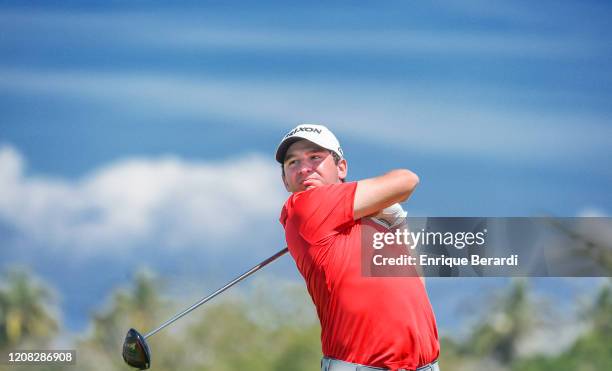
(323, 211)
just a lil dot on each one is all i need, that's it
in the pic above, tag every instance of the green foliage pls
(25, 311)
(600, 313)
(136, 307)
(509, 320)
(592, 351)
(273, 327)
(451, 354)
(139, 306)
(257, 332)
(232, 335)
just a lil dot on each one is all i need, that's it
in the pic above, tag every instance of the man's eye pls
(292, 162)
(315, 157)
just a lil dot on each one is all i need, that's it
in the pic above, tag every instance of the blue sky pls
(148, 129)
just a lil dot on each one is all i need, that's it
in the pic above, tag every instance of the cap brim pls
(281, 151)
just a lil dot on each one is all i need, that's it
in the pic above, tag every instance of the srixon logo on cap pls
(303, 128)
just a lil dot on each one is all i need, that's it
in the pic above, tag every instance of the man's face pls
(308, 165)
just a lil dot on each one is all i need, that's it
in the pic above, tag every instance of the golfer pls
(367, 323)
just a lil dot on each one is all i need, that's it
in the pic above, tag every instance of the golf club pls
(136, 352)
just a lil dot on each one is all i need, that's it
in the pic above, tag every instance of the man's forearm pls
(375, 194)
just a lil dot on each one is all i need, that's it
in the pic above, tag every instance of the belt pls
(331, 364)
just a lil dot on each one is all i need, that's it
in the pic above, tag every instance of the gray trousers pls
(330, 364)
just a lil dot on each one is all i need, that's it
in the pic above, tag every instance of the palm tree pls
(600, 313)
(138, 308)
(24, 310)
(584, 246)
(510, 320)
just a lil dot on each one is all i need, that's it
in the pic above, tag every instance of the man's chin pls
(306, 187)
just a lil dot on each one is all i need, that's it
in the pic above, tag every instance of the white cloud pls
(592, 212)
(164, 200)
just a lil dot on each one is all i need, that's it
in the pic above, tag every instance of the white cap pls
(317, 134)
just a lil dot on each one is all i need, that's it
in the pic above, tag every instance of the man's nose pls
(305, 168)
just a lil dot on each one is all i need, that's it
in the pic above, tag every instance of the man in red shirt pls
(367, 323)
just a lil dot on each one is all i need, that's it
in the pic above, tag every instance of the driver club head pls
(136, 351)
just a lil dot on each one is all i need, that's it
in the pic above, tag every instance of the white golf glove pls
(391, 216)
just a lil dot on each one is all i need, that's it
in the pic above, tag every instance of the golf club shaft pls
(227, 286)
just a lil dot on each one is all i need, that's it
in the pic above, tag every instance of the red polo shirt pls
(375, 321)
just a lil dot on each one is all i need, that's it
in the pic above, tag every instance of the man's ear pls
(342, 169)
